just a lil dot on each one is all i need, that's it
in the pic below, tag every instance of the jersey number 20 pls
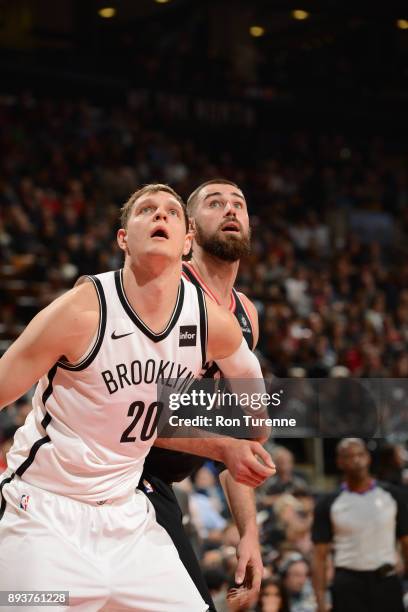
(150, 421)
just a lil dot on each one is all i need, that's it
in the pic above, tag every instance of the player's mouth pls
(160, 233)
(232, 227)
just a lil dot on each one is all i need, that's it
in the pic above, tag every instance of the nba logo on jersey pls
(147, 486)
(24, 501)
(244, 325)
(188, 335)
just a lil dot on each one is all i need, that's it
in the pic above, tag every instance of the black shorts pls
(366, 592)
(169, 516)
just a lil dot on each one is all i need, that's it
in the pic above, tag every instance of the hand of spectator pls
(250, 567)
(248, 462)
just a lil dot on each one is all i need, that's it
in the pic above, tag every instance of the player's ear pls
(121, 238)
(188, 241)
(192, 225)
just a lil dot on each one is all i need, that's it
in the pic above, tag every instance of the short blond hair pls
(127, 208)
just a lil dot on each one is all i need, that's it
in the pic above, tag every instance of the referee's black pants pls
(169, 516)
(366, 592)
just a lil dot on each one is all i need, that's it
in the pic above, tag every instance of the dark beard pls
(230, 249)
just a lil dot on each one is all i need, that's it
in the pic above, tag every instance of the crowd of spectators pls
(327, 272)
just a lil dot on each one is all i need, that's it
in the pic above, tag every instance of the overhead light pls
(402, 24)
(300, 15)
(256, 31)
(161, 1)
(107, 12)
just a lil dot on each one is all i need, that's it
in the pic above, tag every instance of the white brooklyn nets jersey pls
(93, 422)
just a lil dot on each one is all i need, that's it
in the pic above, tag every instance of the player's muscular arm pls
(64, 328)
(224, 332)
(239, 456)
(227, 347)
(241, 501)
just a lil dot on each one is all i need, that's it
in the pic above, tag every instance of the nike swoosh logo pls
(115, 337)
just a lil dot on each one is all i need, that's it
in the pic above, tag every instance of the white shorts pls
(109, 557)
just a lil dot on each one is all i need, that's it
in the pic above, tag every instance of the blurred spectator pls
(205, 503)
(272, 597)
(295, 574)
(392, 464)
(286, 479)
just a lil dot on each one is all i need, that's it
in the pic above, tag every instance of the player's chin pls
(165, 247)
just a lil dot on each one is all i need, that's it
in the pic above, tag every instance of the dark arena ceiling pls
(330, 50)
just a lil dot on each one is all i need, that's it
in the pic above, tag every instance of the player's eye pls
(146, 209)
(238, 205)
(174, 212)
(215, 204)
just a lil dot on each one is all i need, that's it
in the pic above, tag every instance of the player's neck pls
(152, 292)
(217, 274)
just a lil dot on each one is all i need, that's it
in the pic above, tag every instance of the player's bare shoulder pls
(224, 332)
(64, 329)
(78, 310)
(67, 325)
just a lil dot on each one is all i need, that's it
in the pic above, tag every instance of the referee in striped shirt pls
(361, 523)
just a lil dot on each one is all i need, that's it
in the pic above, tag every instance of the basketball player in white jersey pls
(70, 518)
(218, 213)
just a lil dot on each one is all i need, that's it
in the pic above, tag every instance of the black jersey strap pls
(203, 324)
(90, 356)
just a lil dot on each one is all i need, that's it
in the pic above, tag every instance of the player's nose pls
(160, 214)
(228, 210)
